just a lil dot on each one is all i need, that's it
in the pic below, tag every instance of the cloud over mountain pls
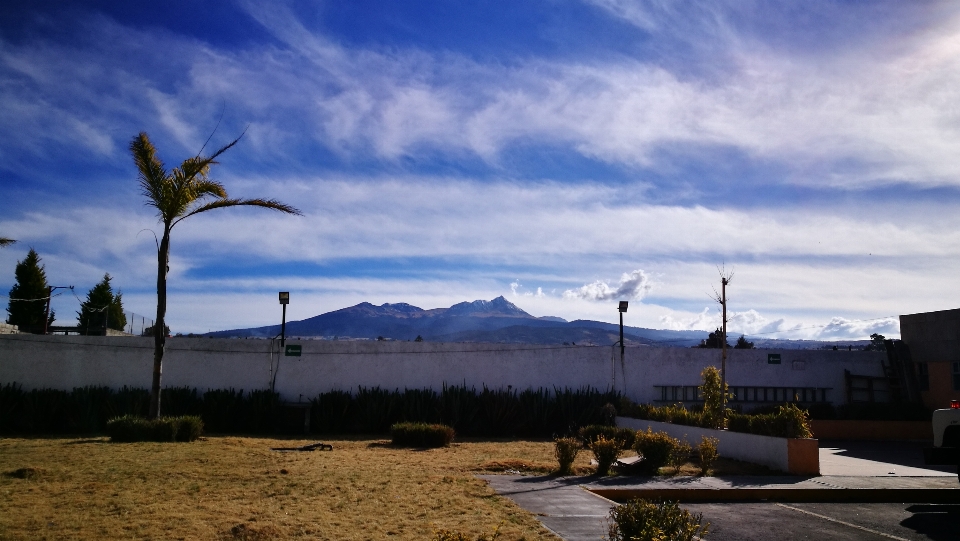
(633, 286)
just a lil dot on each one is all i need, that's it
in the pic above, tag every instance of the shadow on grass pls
(101, 439)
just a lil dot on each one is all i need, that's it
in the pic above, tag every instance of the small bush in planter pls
(421, 435)
(606, 452)
(708, 453)
(566, 451)
(641, 520)
(655, 448)
(679, 455)
(624, 435)
(130, 428)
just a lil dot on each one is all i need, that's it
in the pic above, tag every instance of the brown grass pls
(232, 488)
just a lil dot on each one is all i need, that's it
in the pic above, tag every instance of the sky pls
(564, 154)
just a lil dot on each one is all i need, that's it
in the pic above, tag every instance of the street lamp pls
(284, 300)
(622, 308)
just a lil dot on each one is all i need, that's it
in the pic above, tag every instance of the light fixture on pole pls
(284, 300)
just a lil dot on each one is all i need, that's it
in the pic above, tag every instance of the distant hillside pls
(496, 321)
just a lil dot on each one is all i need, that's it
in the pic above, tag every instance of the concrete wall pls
(934, 339)
(66, 362)
(932, 336)
(774, 453)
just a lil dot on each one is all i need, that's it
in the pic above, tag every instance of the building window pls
(691, 393)
(923, 376)
(956, 376)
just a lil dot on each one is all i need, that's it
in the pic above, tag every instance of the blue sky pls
(563, 154)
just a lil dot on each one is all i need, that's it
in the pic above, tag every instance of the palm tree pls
(4, 241)
(178, 194)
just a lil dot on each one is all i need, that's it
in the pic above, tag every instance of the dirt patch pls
(249, 532)
(29, 473)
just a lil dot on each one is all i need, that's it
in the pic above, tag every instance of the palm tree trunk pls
(159, 332)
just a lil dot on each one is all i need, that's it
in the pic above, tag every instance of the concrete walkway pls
(573, 510)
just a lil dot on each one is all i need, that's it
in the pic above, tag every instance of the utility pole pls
(722, 299)
(724, 280)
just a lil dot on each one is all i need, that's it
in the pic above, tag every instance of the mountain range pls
(496, 321)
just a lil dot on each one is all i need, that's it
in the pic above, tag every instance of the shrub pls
(640, 520)
(590, 433)
(712, 397)
(655, 448)
(679, 455)
(708, 453)
(789, 421)
(130, 428)
(566, 451)
(421, 435)
(608, 414)
(606, 452)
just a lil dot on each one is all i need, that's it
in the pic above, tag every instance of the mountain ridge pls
(497, 320)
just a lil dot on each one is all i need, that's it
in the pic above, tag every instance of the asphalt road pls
(829, 521)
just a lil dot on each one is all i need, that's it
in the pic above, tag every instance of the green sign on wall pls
(772, 358)
(293, 350)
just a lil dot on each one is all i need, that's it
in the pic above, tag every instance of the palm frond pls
(4, 241)
(226, 148)
(224, 203)
(204, 188)
(151, 171)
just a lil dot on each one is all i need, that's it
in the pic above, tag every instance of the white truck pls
(946, 437)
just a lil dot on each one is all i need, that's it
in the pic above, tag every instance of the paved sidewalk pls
(566, 505)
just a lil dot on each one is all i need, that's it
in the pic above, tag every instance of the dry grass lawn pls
(237, 488)
(229, 488)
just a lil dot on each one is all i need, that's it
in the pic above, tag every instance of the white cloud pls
(633, 286)
(886, 110)
(702, 321)
(841, 328)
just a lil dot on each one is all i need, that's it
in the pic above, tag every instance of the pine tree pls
(32, 287)
(101, 307)
(714, 341)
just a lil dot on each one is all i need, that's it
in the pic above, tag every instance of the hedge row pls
(86, 410)
(785, 421)
(487, 412)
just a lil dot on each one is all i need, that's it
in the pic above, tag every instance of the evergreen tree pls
(102, 307)
(714, 341)
(742, 343)
(32, 287)
(149, 331)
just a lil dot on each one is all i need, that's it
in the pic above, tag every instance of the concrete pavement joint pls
(838, 521)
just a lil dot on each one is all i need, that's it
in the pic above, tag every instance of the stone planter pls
(797, 456)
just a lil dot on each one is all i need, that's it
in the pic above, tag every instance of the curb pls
(796, 495)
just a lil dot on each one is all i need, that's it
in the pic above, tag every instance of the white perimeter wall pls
(65, 362)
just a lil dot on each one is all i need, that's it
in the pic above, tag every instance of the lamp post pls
(622, 309)
(284, 300)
